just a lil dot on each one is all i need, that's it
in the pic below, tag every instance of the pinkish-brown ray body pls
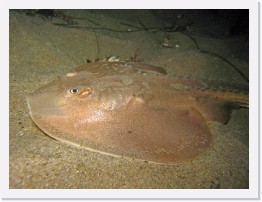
(132, 110)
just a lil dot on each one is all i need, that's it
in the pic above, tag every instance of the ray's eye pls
(74, 90)
(80, 91)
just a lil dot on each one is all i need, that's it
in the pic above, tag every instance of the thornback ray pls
(140, 115)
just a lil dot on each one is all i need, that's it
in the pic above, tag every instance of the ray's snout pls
(43, 104)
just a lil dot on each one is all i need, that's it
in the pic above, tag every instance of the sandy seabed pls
(40, 51)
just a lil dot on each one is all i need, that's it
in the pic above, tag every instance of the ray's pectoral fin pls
(149, 68)
(218, 110)
(157, 134)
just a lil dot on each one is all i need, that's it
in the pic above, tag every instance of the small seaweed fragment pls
(216, 55)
